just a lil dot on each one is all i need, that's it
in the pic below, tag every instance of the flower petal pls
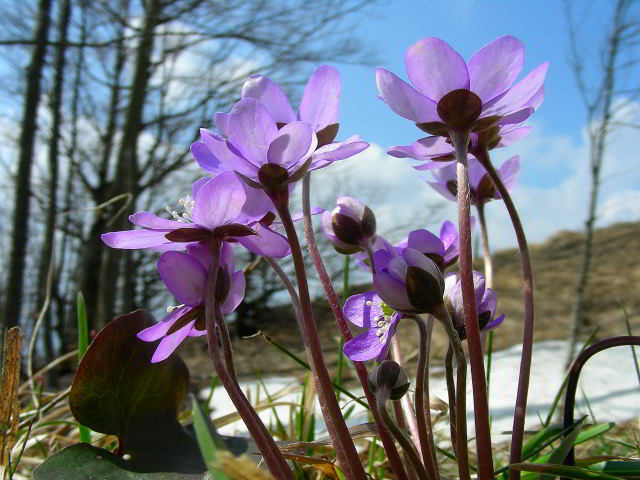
(219, 201)
(405, 100)
(251, 130)
(320, 102)
(393, 292)
(517, 96)
(132, 239)
(425, 242)
(184, 276)
(271, 95)
(267, 242)
(205, 159)
(365, 346)
(171, 342)
(154, 332)
(333, 152)
(494, 67)
(227, 157)
(435, 68)
(291, 144)
(361, 309)
(507, 138)
(222, 123)
(509, 171)
(201, 253)
(152, 221)
(236, 292)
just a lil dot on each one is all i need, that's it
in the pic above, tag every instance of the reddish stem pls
(341, 322)
(476, 357)
(527, 292)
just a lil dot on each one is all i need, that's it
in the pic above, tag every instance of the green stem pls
(451, 391)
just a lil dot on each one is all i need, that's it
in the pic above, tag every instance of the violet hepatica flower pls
(265, 142)
(444, 250)
(409, 281)
(223, 208)
(486, 304)
(185, 275)
(450, 93)
(482, 188)
(367, 310)
(350, 227)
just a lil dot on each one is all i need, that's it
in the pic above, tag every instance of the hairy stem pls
(402, 439)
(476, 357)
(486, 253)
(336, 427)
(422, 399)
(527, 292)
(410, 412)
(273, 458)
(462, 452)
(341, 322)
(401, 421)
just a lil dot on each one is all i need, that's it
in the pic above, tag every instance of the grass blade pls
(83, 344)
(207, 441)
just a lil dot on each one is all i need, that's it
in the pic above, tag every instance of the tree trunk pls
(46, 254)
(127, 171)
(13, 296)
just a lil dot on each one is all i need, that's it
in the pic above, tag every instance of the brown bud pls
(391, 378)
(459, 109)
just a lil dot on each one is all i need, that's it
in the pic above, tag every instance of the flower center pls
(383, 323)
(171, 308)
(188, 204)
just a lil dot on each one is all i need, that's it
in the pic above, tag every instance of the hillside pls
(615, 279)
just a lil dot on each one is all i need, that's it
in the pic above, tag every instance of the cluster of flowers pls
(262, 148)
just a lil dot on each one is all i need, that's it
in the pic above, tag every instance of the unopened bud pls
(389, 377)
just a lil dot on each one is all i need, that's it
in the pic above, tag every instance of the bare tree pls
(605, 102)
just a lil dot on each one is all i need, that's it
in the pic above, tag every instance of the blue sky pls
(553, 184)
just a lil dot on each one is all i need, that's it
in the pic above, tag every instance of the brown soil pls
(614, 283)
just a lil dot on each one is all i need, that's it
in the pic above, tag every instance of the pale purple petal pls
(205, 159)
(517, 117)
(432, 165)
(256, 206)
(400, 151)
(494, 323)
(320, 102)
(219, 201)
(171, 342)
(393, 292)
(132, 239)
(169, 247)
(509, 171)
(271, 95)
(184, 276)
(537, 99)
(446, 173)
(236, 292)
(435, 68)
(195, 187)
(227, 258)
(333, 152)
(448, 233)
(159, 330)
(518, 95)
(434, 146)
(222, 123)
(226, 154)
(251, 130)
(358, 312)
(494, 67)
(197, 333)
(202, 253)
(267, 242)
(476, 173)
(366, 346)
(405, 100)
(151, 220)
(291, 144)
(425, 242)
(507, 138)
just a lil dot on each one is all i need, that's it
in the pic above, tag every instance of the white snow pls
(608, 380)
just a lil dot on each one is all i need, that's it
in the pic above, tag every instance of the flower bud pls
(350, 227)
(409, 281)
(391, 378)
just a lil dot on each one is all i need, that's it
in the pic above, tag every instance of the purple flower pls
(443, 250)
(223, 207)
(185, 275)
(367, 310)
(482, 188)
(451, 93)
(486, 303)
(439, 151)
(407, 281)
(267, 143)
(350, 227)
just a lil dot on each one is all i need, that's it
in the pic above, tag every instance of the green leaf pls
(539, 438)
(83, 344)
(208, 440)
(118, 391)
(618, 468)
(82, 462)
(559, 454)
(593, 432)
(563, 471)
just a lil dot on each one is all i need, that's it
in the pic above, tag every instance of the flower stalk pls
(273, 458)
(460, 139)
(517, 436)
(336, 426)
(334, 303)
